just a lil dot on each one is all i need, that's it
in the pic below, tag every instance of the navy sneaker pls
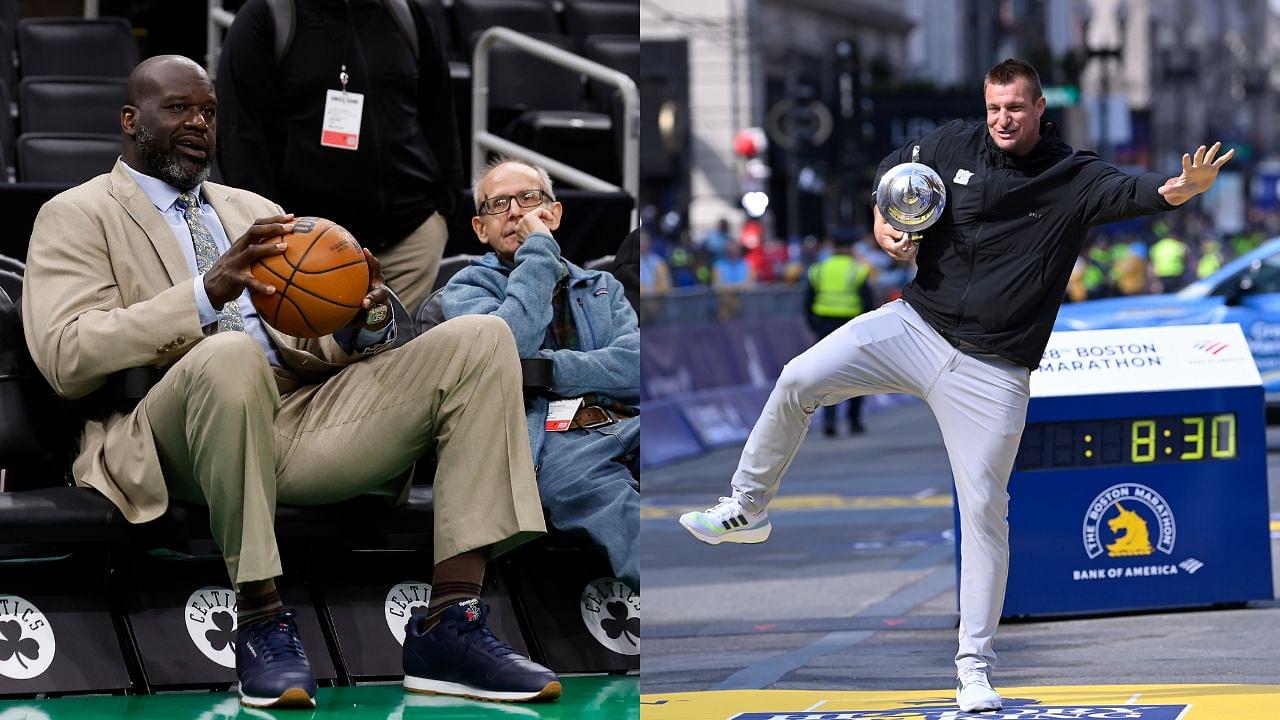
(460, 656)
(271, 665)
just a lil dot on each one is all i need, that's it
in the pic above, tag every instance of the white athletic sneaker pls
(727, 522)
(974, 692)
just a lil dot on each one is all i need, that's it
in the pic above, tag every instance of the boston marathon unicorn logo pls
(1132, 536)
(1141, 523)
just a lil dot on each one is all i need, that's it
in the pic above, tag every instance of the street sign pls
(1061, 95)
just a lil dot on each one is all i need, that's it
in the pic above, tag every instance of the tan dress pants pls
(229, 439)
(409, 267)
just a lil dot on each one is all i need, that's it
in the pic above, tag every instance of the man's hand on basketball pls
(892, 240)
(378, 295)
(1198, 173)
(230, 273)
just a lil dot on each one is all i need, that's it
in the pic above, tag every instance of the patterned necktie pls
(206, 253)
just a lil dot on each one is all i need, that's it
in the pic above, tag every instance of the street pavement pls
(855, 589)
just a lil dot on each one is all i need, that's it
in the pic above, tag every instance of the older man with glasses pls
(580, 319)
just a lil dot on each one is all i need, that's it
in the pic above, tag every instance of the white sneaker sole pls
(428, 686)
(291, 698)
(748, 537)
(979, 707)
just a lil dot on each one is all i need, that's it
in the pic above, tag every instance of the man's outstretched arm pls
(1108, 194)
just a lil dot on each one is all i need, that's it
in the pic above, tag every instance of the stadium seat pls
(11, 283)
(617, 52)
(71, 104)
(7, 133)
(549, 116)
(581, 139)
(8, 58)
(102, 47)
(17, 435)
(584, 18)
(9, 14)
(519, 82)
(12, 264)
(527, 16)
(621, 53)
(600, 263)
(70, 158)
(450, 267)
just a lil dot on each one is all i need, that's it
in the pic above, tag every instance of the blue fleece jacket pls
(608, 362)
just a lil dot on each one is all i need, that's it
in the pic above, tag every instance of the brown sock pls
(454, 580)
(257, 601)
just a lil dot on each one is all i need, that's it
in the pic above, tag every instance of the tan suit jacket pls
(107, 288)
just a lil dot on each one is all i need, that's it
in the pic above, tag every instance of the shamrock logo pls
(224, 634)
(13, 644)
(620, 623)
(419, 611)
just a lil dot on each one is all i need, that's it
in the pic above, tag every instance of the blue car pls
(1245, 291)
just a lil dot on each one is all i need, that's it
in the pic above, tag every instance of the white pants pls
(981, 407)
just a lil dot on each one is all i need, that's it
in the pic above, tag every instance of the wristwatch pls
(376, 315)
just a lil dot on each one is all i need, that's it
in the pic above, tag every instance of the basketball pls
(320, 280)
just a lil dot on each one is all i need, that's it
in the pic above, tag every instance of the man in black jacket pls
(350, 119)
(970, 328)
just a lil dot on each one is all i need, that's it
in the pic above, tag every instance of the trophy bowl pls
(911, 198)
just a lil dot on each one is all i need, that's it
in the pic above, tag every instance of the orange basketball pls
(320, 280)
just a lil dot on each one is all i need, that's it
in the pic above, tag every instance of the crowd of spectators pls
(1158, 255)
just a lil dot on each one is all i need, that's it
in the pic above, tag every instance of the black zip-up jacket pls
(409, 159)
(993, 270)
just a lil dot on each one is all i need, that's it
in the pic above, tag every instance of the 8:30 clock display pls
(1128, 441)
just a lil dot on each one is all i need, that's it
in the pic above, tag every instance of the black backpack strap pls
(403, 18)
(284, 15)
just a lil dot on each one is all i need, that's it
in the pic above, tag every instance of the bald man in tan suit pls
(148, 266)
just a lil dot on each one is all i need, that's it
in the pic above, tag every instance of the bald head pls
(155, 73)
(168, 120)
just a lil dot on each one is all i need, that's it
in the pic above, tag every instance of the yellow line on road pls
(818, 502)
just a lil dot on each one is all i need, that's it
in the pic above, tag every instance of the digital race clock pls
(1140, 484)
(1128, 441)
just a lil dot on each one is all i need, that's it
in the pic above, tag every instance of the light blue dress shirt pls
(164, 196)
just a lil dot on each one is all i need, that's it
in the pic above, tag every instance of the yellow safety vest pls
(1210, 263)
(836, 284)
(1168, 257)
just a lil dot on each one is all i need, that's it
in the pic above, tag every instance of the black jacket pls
(409, 160)
(994, 268)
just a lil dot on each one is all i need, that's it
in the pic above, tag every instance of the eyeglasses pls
(502, 203)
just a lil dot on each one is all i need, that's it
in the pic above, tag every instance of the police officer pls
(1169, 262)
(839, 290)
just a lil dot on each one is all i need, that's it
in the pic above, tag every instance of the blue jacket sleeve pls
(614, 369)
(525, 304)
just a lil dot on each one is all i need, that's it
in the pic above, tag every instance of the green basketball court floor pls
(585, 698)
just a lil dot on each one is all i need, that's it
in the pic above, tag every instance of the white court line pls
(1184, 712)
(1133, 699)
(816, 705)
(927, 492)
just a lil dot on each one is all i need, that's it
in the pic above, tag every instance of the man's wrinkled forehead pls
(511, 173)
(1017, 91)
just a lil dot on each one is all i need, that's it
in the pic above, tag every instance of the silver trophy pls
(911, 197)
